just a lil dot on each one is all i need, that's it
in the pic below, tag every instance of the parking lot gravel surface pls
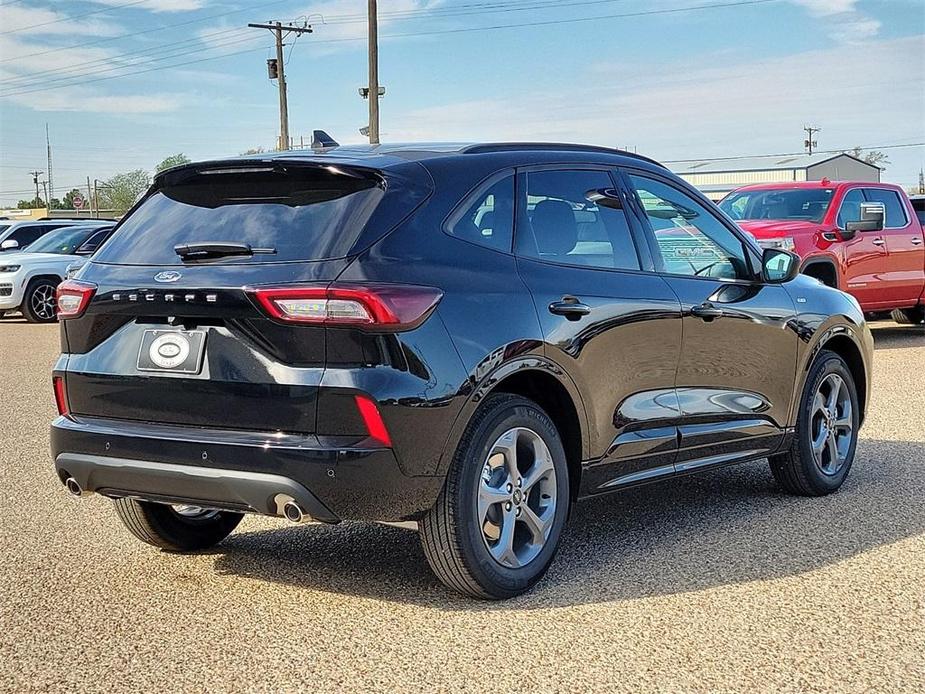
(711, 583)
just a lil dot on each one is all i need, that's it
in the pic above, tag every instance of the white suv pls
(28, 279)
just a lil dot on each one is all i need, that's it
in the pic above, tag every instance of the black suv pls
(470, 337)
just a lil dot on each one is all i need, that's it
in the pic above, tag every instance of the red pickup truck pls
(864, 238)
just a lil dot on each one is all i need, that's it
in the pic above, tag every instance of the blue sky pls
(124, 83)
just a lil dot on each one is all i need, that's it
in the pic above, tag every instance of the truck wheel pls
(38, 305)
(826, 435)
(495, 528)
(177, 528)
(909, 316)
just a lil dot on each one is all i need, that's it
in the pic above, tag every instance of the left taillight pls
(374, 306)
(60, 395)
(73, 297)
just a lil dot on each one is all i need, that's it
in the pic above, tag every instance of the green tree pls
(33, 204)
(55, 204)
(255, 150)
(172, 161)
(121, 191)
(68, 203)
(872, 156)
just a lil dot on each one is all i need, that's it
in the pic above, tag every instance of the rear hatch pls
(174, 331)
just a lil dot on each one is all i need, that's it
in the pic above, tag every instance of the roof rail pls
(551, 146)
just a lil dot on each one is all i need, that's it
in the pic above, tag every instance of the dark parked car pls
(472, 338)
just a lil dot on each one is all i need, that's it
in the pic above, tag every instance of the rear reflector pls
(389, 306)
(60, 395)
(372, 418)
(73, 297)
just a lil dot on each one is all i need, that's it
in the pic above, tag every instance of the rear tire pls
(909, 316)
(817, 462)
(495, 527)
(162, 526)
(38, 304)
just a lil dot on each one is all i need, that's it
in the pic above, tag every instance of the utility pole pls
(51, 180)
(279, 68)
(809, 142)
(922, 181)
(47, 199)
(90, 197)
(373, 27)
(35, 180)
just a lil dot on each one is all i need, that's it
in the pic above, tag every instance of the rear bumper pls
(332, 478)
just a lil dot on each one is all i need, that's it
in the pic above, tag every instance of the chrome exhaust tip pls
(294, 513)
(73, 486)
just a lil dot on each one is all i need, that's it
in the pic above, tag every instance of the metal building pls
(716, 177)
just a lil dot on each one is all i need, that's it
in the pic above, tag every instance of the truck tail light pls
(73, 297)
(372, 418)
(389, 306)
(60, 395)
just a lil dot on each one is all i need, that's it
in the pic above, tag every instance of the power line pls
(573, 20)
(71, 17)
(132, 34)
(789, 154)
(521, 6)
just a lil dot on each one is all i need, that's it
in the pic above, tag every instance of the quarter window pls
(489, 219)
(690, 239)
(895, 211)
(563, 224)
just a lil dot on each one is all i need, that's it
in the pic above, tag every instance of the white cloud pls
(161, 5)
(81, 100)
(19, 17)
(745, 108)
(844, 21)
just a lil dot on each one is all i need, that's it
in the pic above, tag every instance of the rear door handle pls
(707, 311)
(570, 307)
(916, 241)
(879, 242)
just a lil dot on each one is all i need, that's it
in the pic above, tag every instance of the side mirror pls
(872, 217)
(605, 197)
(9, 245)
(779, 266)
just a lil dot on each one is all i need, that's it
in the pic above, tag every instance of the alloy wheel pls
(831, 424)
(517, 497)
(42, 301)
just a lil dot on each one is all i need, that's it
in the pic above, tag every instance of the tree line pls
(116, 194)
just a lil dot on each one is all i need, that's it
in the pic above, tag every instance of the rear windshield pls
(301, 213)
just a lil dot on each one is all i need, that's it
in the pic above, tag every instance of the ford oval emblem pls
(167, 276)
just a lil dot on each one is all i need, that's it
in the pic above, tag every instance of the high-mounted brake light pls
(390, 306)
(73, 297)
(60, 395)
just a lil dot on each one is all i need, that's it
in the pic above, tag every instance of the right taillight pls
(60, 396)
(73, 297)
(386, 306)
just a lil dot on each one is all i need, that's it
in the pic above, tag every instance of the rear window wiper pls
(217, 249)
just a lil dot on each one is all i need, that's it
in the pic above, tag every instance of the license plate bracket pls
(172, 351)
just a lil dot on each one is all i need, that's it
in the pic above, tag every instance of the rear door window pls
(895, 211)
(564, 225)
(300, 213)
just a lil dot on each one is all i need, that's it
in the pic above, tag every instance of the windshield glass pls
(807, 204)
(62, 241)
(308, 213)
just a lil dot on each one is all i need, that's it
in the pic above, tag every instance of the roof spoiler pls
(321, 140)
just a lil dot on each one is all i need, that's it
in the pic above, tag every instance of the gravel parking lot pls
(717, 583)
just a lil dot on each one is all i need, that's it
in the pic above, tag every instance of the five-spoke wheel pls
(517, 497)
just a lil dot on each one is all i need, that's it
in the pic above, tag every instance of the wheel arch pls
(842, 342)
(822, 269)
(544, 383)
